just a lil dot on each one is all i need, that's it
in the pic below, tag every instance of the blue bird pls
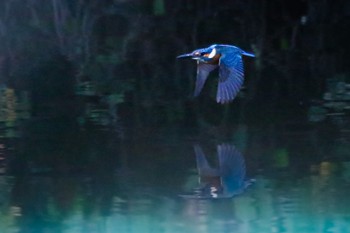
(226, 180)
(231, 74)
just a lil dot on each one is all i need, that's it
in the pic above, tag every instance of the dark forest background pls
(110, 63)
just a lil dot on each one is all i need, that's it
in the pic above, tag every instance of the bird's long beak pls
(187, 55)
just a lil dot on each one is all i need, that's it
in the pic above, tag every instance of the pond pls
(267, 179)
(103, 129)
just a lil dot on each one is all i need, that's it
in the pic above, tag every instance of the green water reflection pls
(317, 203)
(136, 188)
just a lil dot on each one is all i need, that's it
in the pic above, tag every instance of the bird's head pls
(203, 55)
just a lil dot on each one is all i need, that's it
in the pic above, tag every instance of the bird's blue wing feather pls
(231, 77)
(204, 169)
(203, 70)
(232, 168)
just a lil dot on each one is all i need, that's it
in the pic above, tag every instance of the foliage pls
(122, 54)
(158, 7)
(14, 107)
(335, 101)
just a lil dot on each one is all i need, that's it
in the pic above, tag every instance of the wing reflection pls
(224, 181)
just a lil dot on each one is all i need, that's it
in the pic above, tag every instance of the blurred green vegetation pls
(107, 61)
(14, 108)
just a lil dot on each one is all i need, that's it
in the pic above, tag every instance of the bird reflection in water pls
(226, 180)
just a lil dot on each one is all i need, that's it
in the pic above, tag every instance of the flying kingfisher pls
(231, 74)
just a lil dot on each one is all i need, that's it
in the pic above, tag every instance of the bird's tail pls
(248, 54)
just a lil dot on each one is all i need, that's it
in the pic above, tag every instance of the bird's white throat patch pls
(212, 53)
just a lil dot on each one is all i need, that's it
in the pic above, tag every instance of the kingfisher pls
(231, 74)
(225, 180)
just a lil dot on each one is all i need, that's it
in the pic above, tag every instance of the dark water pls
(291, 178)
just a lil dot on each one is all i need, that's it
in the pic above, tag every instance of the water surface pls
(164, 182)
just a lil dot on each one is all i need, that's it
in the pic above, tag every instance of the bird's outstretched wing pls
(231, 161)
(231, 78)
(203, 70)
(232, 168)
(203, 167)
